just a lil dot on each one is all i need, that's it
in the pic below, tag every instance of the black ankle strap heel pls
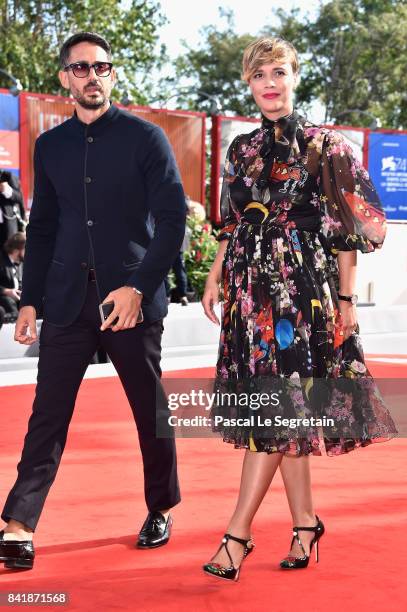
(231, 572)
(301, 562)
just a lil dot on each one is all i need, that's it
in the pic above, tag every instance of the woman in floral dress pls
(296, 206)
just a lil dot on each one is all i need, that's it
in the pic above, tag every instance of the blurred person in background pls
(179, 292)
(12, 211)
(11, 273)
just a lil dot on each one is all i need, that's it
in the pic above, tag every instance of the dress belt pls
(265, 216)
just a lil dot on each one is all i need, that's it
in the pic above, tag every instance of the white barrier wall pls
(383, 327)
(385, 269)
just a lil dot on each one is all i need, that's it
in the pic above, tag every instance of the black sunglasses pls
(82, 69)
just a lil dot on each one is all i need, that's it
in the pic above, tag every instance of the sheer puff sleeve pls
(351, 213)
(229, 214)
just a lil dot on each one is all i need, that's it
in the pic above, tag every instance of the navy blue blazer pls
(107, 195)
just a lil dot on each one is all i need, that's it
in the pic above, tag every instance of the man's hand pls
(12, 293)
(126, 307)
(26, 329)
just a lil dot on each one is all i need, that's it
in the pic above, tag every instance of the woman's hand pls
(211, 293)
(348, 318)
(210, 298)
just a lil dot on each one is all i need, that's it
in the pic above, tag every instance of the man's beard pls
(89, 104)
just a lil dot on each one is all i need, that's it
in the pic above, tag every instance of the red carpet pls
(85, 538)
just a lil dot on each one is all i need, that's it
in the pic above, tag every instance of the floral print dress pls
(289, 203)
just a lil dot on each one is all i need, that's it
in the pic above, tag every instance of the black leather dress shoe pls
(16, 554)
(155, 531)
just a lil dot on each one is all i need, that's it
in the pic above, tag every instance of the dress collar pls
(292, 129)
(282, 122)
(288, 123)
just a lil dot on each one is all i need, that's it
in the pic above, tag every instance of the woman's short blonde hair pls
(265, 51)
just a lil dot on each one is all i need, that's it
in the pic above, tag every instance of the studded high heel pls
(231, 572)
(292, 562)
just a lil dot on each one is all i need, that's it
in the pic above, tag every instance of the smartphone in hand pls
(107, 308)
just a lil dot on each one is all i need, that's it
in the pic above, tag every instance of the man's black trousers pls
(65, 353)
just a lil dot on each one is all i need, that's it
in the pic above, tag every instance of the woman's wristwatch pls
(348, 298)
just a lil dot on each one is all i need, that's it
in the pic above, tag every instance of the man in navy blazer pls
(107, 219)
